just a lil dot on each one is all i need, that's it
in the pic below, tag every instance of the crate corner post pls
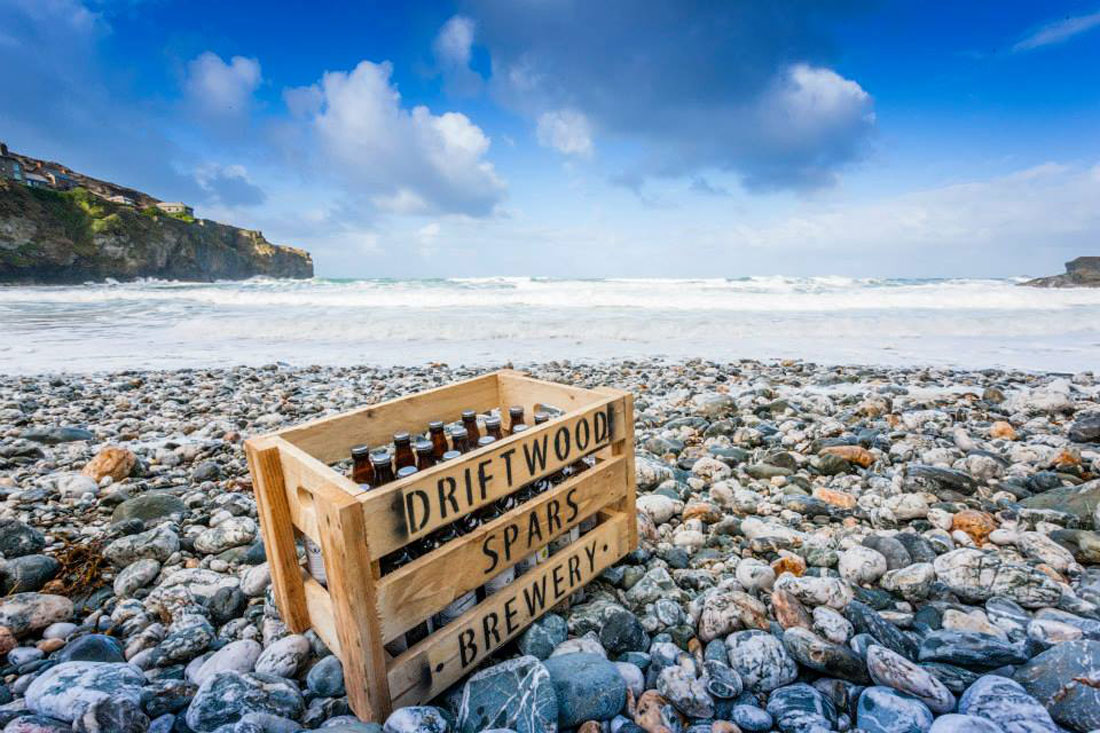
(277, 530)
(352, 587)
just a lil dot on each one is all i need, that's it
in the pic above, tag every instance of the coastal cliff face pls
(1083, 272)
(52, 237)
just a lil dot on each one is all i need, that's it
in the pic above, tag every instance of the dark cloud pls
(738, 86)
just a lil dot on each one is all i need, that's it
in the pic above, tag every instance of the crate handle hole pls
(305, 500)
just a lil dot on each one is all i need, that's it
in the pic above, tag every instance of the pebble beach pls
(823, 548)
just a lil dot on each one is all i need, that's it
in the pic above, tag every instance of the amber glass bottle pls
(492, 427)
(403, 453)
(383, 469)
(515, 416)
(425, 454)
(469, 421)
(438, 438)
(361, 470)
(460, 439)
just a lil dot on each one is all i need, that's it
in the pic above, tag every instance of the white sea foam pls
(154, 323)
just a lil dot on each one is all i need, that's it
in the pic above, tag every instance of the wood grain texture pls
(277, 529)
(436, 663)
(355, 609)
(385, 508)
(330, 439)
(430, 583)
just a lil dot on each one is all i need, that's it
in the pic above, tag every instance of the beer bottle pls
(515, 415)
(469, 421)
(403, 454)
(492, 427)
(383, 469)
(421, 631)
(466, 601)
(438, 438)
(315, 562)
(425, 454)
(361, 470)
(460, 439)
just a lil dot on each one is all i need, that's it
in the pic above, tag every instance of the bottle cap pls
(519, 427)
(401, 437)
(459, 432)
(359, 451)
(485, 440)
(493, 421)
(380, 457)
(406, 471)
(422, 446)
(515, 410)
(435, 425)
(469, 415)
(450, 455)
(541, 417)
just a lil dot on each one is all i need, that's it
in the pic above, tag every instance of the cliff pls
(1083, 272)
(56, 237)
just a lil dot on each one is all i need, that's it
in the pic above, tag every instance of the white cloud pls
(219, 91)
(1046, 206)
(453, 49)
(404, 161)
(454, 41)
(567, 131)
(1058, 31)
(229, 186)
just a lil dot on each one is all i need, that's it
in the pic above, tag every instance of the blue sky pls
(569, 138)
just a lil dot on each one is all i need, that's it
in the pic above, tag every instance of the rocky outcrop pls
(1083, 272)
(51, 237)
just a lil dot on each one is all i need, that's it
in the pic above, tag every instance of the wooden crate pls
(360, 611)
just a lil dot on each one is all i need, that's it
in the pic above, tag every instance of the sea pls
(157, 324)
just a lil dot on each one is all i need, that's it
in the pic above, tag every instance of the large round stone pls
(588, 687)
(1066, 680)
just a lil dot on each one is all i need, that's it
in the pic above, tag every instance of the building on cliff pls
(175, 207)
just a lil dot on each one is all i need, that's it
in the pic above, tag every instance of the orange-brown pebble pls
(1067, 457)
(1054, 574)
(191, 562)
(852, 453)
(111, 461)
(7, 640)
(648, 715)
(54, 588)
(976, 524)
(841, 499)
(590, 726)
(724, 726)
(789, 564)
(695, 649)
(1003, 430)
(703, 510)
(50, 645)
(789, 611)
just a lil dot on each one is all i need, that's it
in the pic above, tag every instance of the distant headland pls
(59, 226)
(1082, 272)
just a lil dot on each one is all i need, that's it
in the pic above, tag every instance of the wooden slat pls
(625, 448)
(429, 584)
(309, 481)
(430, 667)
(484, 475)
(330, 439)
(277, 529)
(320, 613)
(516, 388)
(355, 609)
